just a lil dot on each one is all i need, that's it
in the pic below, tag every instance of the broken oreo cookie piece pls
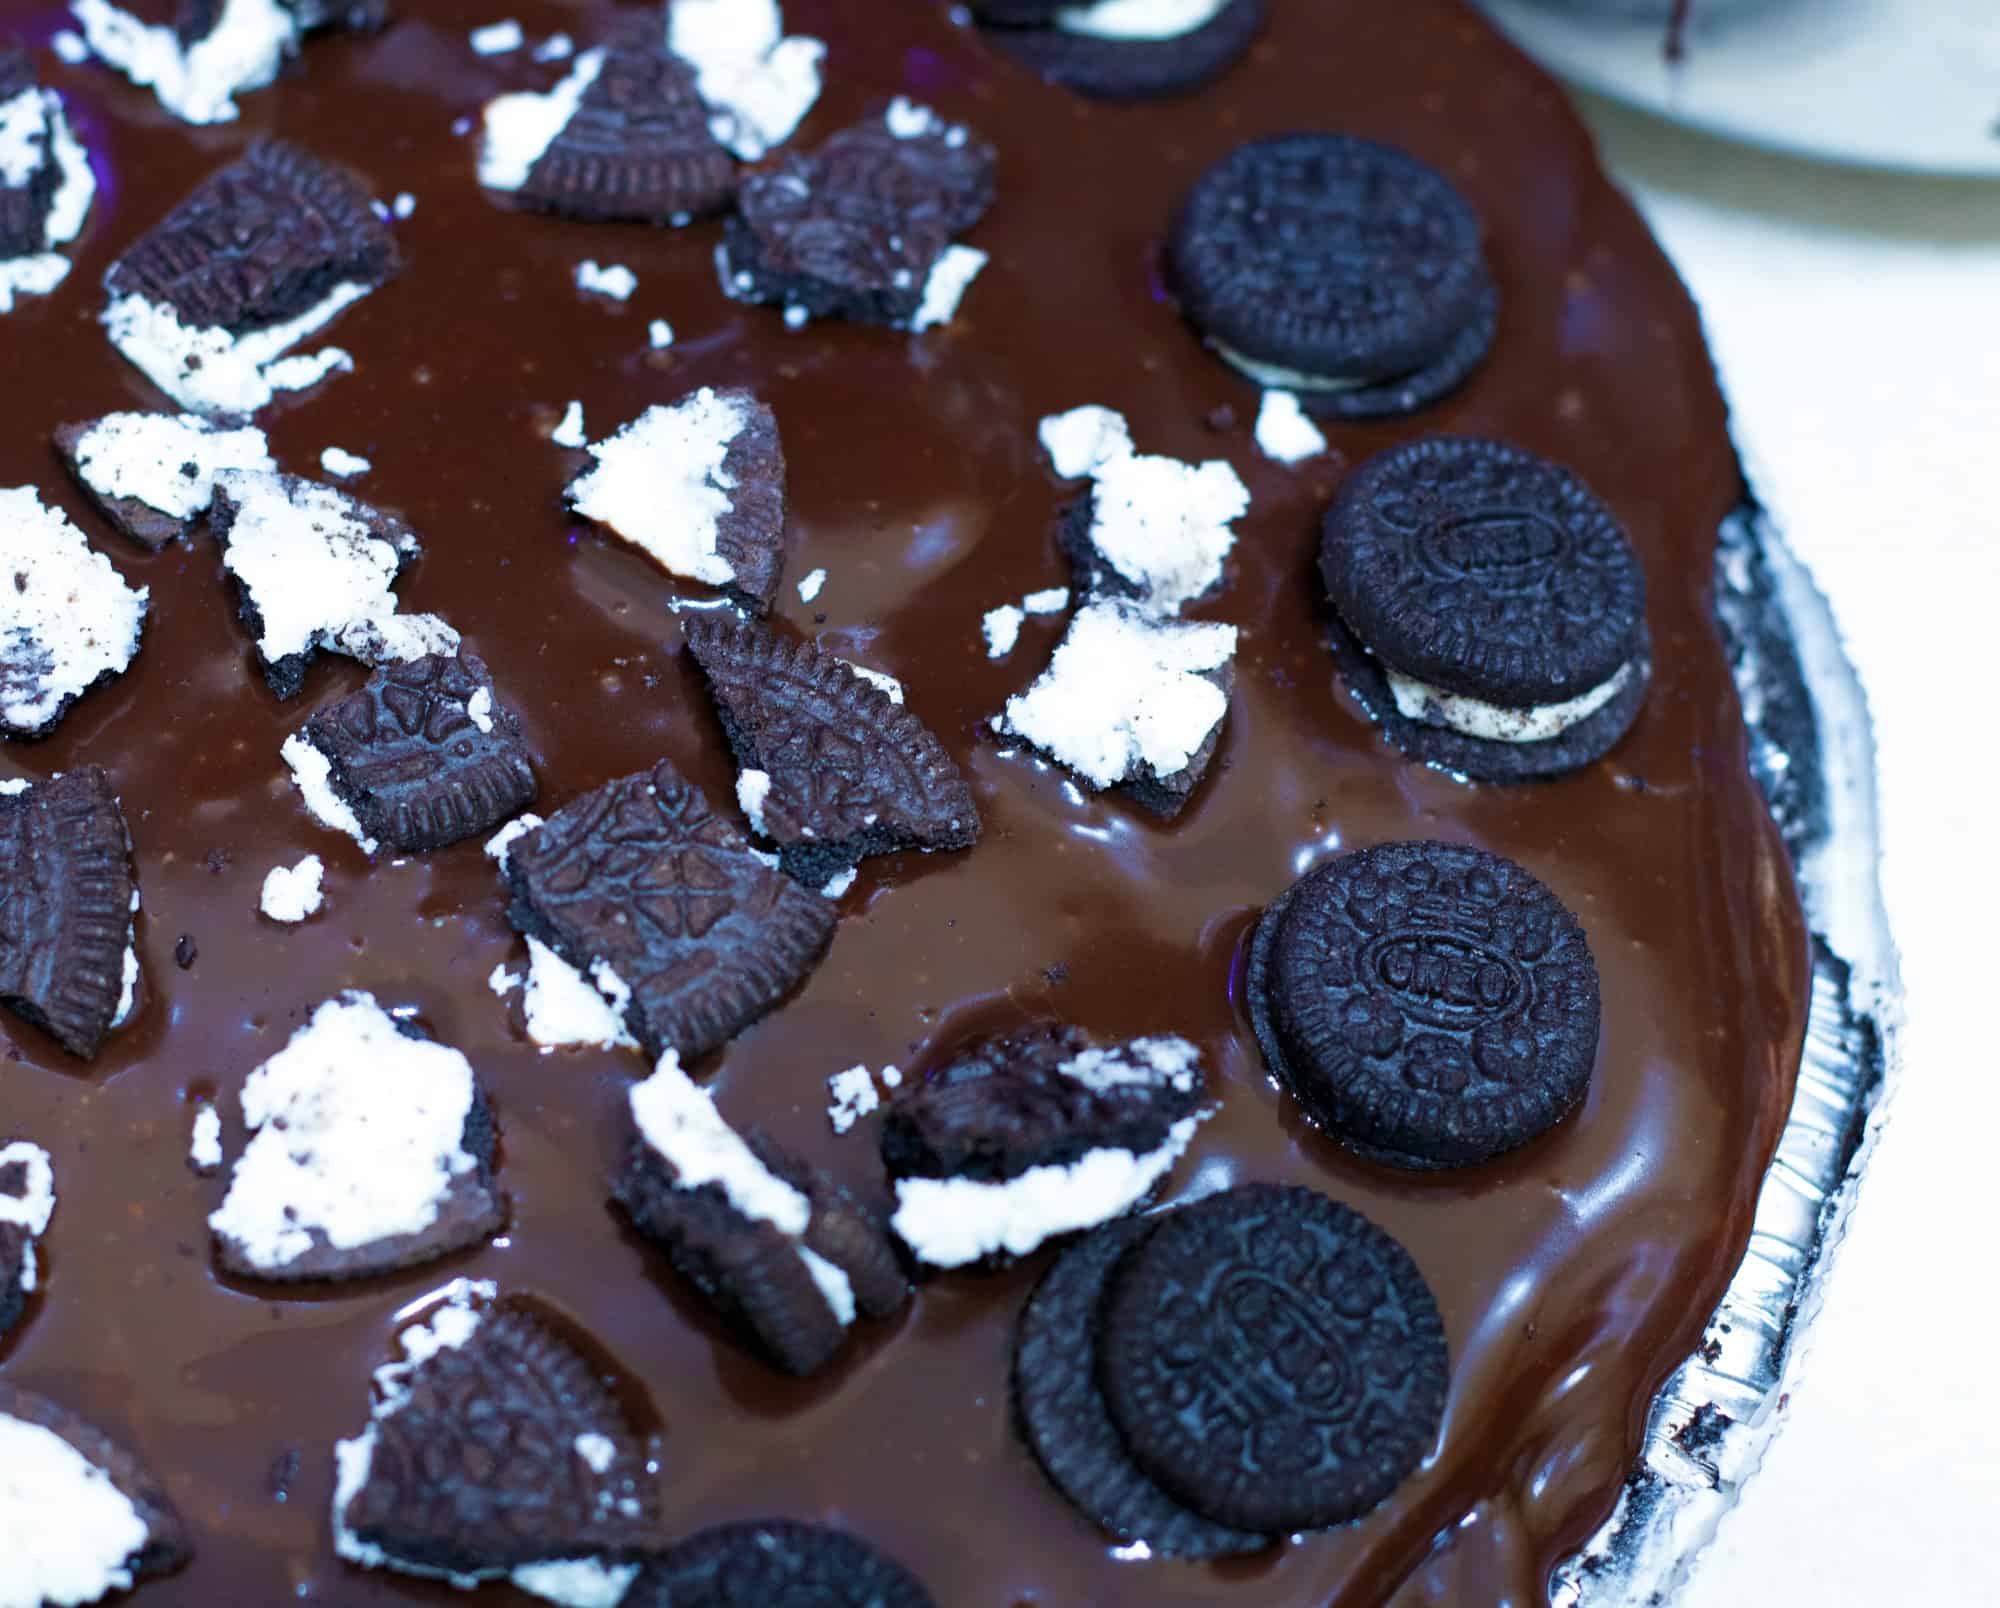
(1430, 1004)
(1065, 1423)
(84, 1516)
(1127, 49)
(371, 1149)
(644, 887)
(1491, 608)
(1153, 529)
(1342, 270)
(66, 901)
(46, 183)
(313, 569)
(262, 254)
(738, 1218)
(152, 475)
(699, 487)
(27, 1200)
(495, 1448)
(1029, 1136)
(623, 138)
(768, 1562)
(1272, 1359)
(836, 770)
(215, 51)
(1130, 701)
(424, 755)
(862, 227)
(759, 82)
(68, 622)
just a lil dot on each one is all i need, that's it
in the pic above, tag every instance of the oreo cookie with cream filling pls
(46, 183)
(644, 888)
(1345, 271)
(495, 1449)
(1491, 608)
(623, 138)
(424, 755)
(1130, 702)
(1272, 1359)
(214, 50)
(1431, 1005)
(1154, 529)
(737, 1218)
(27, 1201)
(313, 569)
(371, 1149)
(80, 1517)
(1062, 1416)
(68, 621)
(1026, 1137)
(699, 488)
(1128, 49)
(775, 1563)
(830, 767)
(263, 254)
(67, 895)
(862, 227)
(152, 475)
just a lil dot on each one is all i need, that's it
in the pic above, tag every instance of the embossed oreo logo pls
(1506, 550)
(1446, 979)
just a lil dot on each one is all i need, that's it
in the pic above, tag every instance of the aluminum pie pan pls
(1812, 752)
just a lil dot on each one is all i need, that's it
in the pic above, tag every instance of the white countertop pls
(1856, 322)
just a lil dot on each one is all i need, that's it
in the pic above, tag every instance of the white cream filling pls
(1496, 723)
(577, 1582)
(128, 983)
(209, 370)
(561, 1007)
(24, 121)
(1275, 377)
(661, 485)
(1165, 525)
(339, 461)
(1084, 439)
(30, 1209)
(1139, 19)
(519, 129)
(243, 51)
(292, 892)
(613, 280)
(758, 83)
(69, 616)
(1284, 433)
(312, 775)
(945, 287)
(886, 684)
(67, 1534)
(1124, 693)
(205, 1139)
(144, 457)
(949, 1222)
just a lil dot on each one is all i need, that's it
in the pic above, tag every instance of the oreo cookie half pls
(862, 227)
(831, 768)
(1130, 701)
(1432, 1005)
(152, 475)
(1491, 609)
(764, 1563)
(424, 755)
(46, 183)
(27, 1201)
(66, 900)
(313, 569)
(494, 1448)
(1025, 1137)
(1064, 1421)
(91, 1519)
(624, 138)
(647, 890)
(1342, 270)
(1272, 1359)
(215, 50)
(782, 1252)
(371, 1149)
(1127, 49)
(699, 488)
(67, 622)
(264, 253)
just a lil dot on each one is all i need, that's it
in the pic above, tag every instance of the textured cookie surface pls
(772, 1562)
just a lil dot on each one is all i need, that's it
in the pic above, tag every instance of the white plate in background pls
(1885, 83)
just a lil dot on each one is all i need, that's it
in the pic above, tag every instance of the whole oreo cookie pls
(773, 1563)
(1127, 49)
(1063, 1418)
(1431, 1004)
(1272, 1358)
(1500, 602)
(1347, 271)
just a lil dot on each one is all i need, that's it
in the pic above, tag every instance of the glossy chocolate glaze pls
(1573, 1275)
